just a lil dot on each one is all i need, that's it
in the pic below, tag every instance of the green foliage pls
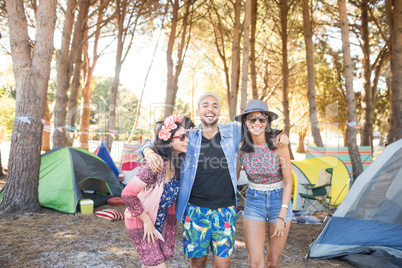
(7, 83)
(182, 108)
(210, 52)
(9, 91)
(7, 114)
(331, 100)
(126, 106)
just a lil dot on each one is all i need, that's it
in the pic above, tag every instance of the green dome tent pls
(66, 171)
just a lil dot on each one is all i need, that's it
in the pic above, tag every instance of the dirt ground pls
(51, 239)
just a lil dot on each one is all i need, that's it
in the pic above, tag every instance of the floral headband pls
(168, 125)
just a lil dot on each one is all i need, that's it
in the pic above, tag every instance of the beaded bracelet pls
(282, 219)
(150, 151)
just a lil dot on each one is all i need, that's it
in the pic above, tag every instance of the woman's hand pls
(279, 228)
(149, 232)
(155, 162)
(282, 140)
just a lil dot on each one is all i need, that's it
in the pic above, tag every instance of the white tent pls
(370, 217)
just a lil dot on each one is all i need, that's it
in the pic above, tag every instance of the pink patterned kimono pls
(144, 192)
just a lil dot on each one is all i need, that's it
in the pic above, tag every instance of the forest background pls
(80, 70)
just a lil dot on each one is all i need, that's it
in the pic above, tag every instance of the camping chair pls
(320, 196)
(242, 183)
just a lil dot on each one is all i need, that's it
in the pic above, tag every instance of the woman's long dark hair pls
(248, 144)
(165, 150)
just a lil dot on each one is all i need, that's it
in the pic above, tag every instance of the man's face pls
(208, 111)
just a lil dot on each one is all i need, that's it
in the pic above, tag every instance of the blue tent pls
(104, 154)
(369, 219)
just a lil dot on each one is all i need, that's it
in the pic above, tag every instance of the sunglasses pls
(253, 119)
(181, 137)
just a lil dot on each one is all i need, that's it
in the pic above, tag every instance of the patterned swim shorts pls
(204, 228)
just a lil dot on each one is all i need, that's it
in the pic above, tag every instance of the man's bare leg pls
(200, 262)
(221, 262)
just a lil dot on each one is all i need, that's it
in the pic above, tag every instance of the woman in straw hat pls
(268, 198)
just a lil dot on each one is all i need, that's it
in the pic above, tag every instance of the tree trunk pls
(284, 10)
(366, 133)
(377, 72)
(180, 58)
(246, 51)
(86, 91)
(253, 72)
(1, 167)
(234, 77)
(31, 77)
(63, 77)
(345, 135)
(76, 59)
(300, 146)
(308, 36)
(46, 134)
(112, 105)
(285, 65)
(169, 59)
(395, 111)
(138, 114)
(122, 7)
(221, 48)
(86, 112)
(350, 94)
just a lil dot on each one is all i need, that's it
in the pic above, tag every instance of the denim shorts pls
(207, 229)
(265, 205)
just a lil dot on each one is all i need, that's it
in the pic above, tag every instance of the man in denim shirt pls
(207, 199)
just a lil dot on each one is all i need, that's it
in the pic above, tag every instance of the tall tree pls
(220, 34)
(284, 10)
(137, 116)
(128, 16)
(253, 71)
(46, 134)
(394, 14)
(63, 76)
(367, 94)
(308, 37)
(174, 73)
(246, 51)
(1, 166)
(377, 66)
(169, 59)
(284, 7)
(88, 73)
(121, 11)
(75, 64)
(31, 64)
(234, 77)
(336, 59)
(350, 94)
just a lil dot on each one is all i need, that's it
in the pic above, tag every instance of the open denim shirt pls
(230, 137)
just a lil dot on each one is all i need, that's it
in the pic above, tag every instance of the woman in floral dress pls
(150, 198)
(268, 199)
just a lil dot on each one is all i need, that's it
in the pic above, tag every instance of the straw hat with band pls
(256, 106)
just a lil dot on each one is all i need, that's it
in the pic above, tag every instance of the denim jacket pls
(230, 138)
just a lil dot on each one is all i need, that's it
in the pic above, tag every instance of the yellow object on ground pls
(87, 206)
